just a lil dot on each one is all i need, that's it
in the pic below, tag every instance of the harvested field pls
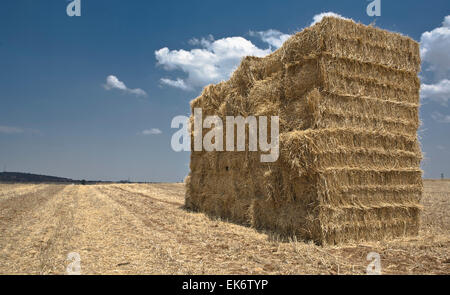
(144, 229)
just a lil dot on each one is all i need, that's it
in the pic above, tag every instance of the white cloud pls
(112, 82)
(435, 54)
(439, 92)
(203, 42)
(440, 117)
(440, 147)
(272, 37)
(434, 49)
(178, 83)
(318, 17)
(11, 130)
(137, 92)
(212, 63)
(215, 60)
(153, 131)
(446, 22)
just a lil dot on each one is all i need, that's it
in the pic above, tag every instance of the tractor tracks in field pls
(165, 235)
(16, 210)
(177, 204)
(61, 234)
(115, 238)
(167, 219)
(143, 228)
(36, 229)
(15, 205)
(146, 208)
(15, 190)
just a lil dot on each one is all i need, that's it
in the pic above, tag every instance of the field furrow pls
(144, 229)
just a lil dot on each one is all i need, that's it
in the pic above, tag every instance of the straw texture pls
(349, 168)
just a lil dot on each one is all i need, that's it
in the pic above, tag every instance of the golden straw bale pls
(349, 167)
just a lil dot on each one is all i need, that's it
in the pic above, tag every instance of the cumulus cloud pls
(213, 61)
(434, 49)
(438, 117)
(153, 131)
(439, 92)
(112, 82)
(435, 54)
(11, 130)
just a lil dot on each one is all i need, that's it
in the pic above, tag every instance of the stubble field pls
(144, 229)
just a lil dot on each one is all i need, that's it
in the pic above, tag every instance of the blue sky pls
(93, 96)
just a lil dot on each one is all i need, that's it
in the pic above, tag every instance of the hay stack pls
(347, 96)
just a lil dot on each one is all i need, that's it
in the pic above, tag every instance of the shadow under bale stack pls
(347, 97)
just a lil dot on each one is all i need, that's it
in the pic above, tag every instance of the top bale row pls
(343, 38)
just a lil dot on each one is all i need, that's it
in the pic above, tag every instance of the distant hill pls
(28, 177)
(37, 178)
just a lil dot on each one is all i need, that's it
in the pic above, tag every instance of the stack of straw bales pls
(348, 100)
